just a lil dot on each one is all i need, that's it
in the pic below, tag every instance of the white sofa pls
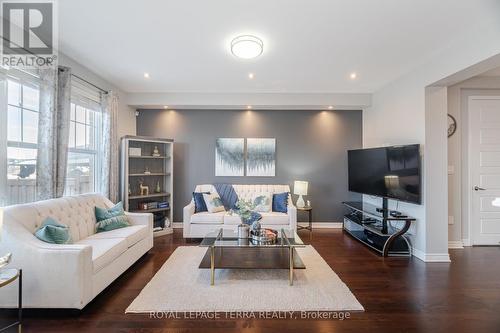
(199, 224)
(69, 276)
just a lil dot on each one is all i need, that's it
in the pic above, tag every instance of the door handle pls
(477, 188)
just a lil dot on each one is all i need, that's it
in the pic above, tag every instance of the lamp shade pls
(300, 187)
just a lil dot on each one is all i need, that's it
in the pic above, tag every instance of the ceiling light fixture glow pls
(250, 76)
(353, 75)
(249, 107)
(146, 75)
(247, 47)
(165, 107)
(330, 107)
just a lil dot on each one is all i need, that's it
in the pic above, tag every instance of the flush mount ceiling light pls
(247, 47)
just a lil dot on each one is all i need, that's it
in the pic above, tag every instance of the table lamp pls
(300, 188)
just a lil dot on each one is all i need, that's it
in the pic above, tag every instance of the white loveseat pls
(199, 224)
(69, 276)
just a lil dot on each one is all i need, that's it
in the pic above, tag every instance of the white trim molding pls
(455, 244)
(466, 242)
(431, 257)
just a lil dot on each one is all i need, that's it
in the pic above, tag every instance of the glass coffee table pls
(226, 250)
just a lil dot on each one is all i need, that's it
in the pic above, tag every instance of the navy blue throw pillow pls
(199, 202)
(280, 202)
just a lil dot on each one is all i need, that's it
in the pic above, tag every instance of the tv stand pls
(373, 227)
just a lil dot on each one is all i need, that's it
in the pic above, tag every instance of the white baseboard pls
(466, 242)
(455, 244)
(315, 225)
(431, 257)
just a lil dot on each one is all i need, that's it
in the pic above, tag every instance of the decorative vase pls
(157, 189)
(256, 226)
(243, 231)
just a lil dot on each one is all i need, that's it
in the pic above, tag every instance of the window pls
(22, 128)
(84, 139)
(82, 156)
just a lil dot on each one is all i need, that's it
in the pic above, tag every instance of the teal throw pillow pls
(52, 232)
(110, 218)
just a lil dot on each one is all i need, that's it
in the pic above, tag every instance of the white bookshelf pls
(152, 171)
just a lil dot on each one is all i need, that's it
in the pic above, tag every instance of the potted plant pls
(249, 217)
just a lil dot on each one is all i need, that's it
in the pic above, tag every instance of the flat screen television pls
(387, 172)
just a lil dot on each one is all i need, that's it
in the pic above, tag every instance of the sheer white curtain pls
(109, 148)
(53, 132)
(3, 138)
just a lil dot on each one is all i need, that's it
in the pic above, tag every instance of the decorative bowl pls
(264, 236)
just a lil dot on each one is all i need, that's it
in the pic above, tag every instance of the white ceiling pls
(310, 46)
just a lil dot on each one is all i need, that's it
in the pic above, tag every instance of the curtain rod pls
(90, 83)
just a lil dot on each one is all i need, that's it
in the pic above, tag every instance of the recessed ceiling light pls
(249, 107)
(146, 75)
(165, 106)
(353, 75)
(250, 76)
(247, 46)
(330, 107)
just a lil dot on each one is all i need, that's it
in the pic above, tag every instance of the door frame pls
(466, 170)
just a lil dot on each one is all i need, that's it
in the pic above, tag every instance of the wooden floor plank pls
(399, 295)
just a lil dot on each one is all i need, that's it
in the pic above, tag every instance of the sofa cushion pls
(274, 218)
(52, 232)
(262, 201)
(199, 202)
(208, 218)
(104, 251)
(133, 234)
(110, 218)
(280, 202)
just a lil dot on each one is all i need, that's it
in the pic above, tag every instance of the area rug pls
(180, 286)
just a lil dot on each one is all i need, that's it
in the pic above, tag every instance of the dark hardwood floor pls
(399, 295)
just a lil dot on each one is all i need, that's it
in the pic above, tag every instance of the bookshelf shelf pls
(152, 173)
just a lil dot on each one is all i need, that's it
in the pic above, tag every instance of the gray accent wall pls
(310, 145)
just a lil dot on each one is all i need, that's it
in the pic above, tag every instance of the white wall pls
(457, 150)
(126, 114)
(398, 116)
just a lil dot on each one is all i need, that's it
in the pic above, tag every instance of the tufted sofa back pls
(76, 212)
(246, 191)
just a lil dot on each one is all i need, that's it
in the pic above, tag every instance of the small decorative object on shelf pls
(144, 189)
(308, 204)
(136, 152)
(157, 188)
(143, 206)
(146, 171)
(129, 190)
(156, 152)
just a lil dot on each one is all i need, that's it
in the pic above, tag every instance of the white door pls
(484, 163)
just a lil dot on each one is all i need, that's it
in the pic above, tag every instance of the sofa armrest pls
(141, 219)
(187, 212)
(55, 264)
